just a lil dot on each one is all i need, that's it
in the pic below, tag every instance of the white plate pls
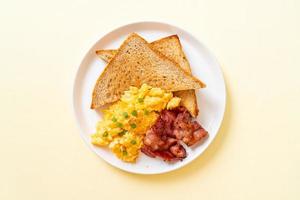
(211, 100)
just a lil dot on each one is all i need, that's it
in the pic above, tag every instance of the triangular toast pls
(135, 63)
(170, 47)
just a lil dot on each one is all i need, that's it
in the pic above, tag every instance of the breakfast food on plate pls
(172, 126)
(151, 91)
(106, 54)
(171, 48)
(136, 63)
(126, 122)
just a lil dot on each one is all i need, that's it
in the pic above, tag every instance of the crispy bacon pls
(172, 126)
(178, 151)
(166, 155)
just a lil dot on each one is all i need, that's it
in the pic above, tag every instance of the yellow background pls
(256, 154)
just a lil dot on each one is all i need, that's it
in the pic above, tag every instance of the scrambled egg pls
(126, 121)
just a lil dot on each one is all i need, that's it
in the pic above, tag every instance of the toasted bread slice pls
(170, 47)
(135, 63)
(107, 54)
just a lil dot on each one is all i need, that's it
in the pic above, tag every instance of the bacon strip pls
(172, 126)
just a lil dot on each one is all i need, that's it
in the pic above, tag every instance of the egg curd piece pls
(127, 120)
(127, 147)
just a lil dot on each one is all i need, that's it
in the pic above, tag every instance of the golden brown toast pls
(136, 62)
(170, 47)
